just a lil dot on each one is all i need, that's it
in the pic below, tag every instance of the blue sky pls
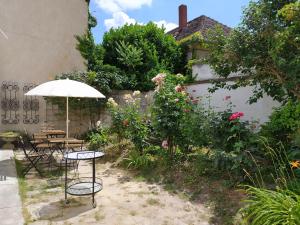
(114, 13)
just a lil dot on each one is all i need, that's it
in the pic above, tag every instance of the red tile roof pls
(200, 24)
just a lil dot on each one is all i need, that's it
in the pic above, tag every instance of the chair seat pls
(43, 145)
(33, 155)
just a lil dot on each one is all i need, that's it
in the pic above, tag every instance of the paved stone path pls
(10, 202)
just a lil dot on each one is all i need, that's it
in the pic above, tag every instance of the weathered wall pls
(36, 43)
(80, 121)
(259, 111)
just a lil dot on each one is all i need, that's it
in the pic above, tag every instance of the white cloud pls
(118, 19)
(113, 6)
(168, 26)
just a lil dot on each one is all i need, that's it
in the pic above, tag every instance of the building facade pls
(205, 76)
(37, 42)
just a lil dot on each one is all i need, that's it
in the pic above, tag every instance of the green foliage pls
(128, 121)
(91, 52)
(232, 142)
(98, 139)
(142, 51)
(129, 55)
(170, 105)
(283, 124)
(276, 206)
(137, 160)
(267, 207)
(264, 48)
(196, 127)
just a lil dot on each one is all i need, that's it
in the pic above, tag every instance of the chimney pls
(182, 16)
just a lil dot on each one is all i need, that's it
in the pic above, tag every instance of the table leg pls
(66, 180)
(94, 180)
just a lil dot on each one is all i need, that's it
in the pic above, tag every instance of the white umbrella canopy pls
(65, 88)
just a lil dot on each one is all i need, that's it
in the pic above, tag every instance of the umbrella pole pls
(67, 123)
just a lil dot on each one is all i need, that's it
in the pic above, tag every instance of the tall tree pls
(142, 51)
(265, 48)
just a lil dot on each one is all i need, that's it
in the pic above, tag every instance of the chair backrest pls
(23, 146)
(74, 144)
(39, 136)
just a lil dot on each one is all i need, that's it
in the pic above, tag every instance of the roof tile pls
(200, 24)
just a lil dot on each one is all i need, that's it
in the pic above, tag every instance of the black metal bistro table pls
(85, 185)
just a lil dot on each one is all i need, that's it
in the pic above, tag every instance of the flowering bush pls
(128, 122)
(171, 103)
(232, 142)
(235, 116)
(97, 137)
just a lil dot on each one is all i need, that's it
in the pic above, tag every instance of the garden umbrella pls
(65, 88)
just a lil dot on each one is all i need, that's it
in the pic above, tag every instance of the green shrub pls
(196, 127)
(137, 160)
(98, 139)
(128, 121)
(170, 105)
(283, 124)
(142, 51)
(233, 143)
(268, 207)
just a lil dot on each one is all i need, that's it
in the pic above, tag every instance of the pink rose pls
(178, 88)
(236, 115)
(195, 101)
(165, 144)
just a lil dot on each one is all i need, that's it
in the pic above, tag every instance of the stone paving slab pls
(10, 201)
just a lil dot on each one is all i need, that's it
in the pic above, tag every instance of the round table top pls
(83, 155)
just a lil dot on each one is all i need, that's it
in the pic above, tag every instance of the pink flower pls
(236, 115)
(159, 79)
(186, 110)
(227, 97)
(195, 101)
(165, 144)
(178, 88)
(125, 123)
(176, 100)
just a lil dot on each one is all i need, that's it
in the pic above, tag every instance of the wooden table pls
(54, 132)
(63, 140)
(71, 143)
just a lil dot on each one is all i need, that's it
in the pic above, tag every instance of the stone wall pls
(81, 122)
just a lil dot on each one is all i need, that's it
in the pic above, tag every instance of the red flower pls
(165, 144)
(195, 101)
(178, 88)
(125, 123)
(236, 115)
(227, 97)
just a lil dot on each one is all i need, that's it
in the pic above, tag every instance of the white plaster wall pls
(259, 111)
(38, 43)
(204, 72)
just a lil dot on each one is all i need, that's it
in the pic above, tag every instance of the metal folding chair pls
(32, 156)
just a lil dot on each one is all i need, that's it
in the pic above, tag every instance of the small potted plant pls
(9, 137)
